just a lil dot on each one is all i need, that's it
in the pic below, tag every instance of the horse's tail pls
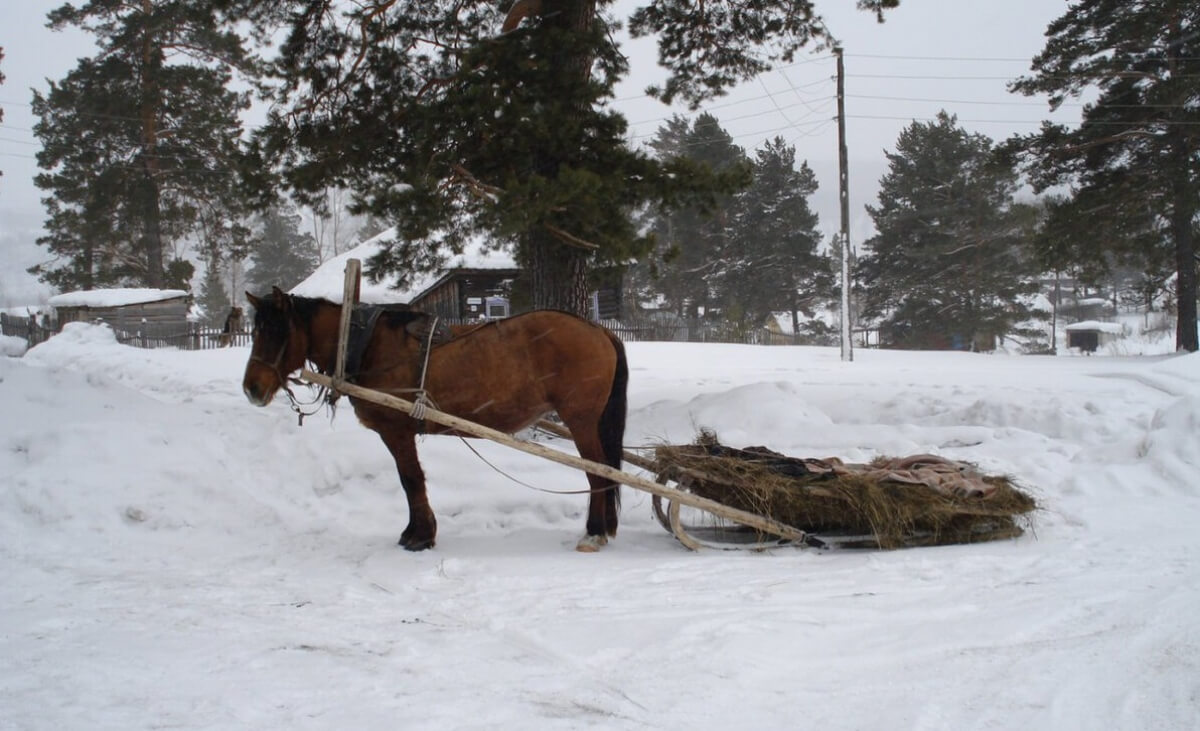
(612, 421)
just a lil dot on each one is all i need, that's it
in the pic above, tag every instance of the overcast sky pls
(930, 55)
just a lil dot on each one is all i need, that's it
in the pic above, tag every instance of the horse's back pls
(511, 372)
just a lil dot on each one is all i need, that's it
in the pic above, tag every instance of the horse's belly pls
(505, 417)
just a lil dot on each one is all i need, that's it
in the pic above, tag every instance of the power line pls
(1015, 103)
(796, 90)
(1153, 122)
(635, 97)
(775, 103)
(968, 59)
(927, 77)
(728, 104)
(828, 102)
(818, 125)
(937, 58)
(814, 131)
(950, 101)
(924, 77)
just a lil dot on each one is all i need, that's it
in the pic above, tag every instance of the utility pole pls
(844, 188)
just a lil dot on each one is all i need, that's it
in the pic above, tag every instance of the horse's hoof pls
(416, 544)
(591, 544)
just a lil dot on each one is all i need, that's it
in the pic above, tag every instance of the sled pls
(931, 501)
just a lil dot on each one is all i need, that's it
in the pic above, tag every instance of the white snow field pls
(172, 557)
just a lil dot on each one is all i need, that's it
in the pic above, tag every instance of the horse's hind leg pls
(421, 532)
(602, 499)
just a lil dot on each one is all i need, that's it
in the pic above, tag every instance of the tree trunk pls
(558, 274)
(89, 265)
(1054, 313)
(559, 271)
(152, 244)
(1182, 213)
(1185, 265)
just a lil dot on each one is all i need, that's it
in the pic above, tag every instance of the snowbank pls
(175, 557)
(12, 346)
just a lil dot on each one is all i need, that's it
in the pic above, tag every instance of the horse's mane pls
(392, 314)
(307, 307)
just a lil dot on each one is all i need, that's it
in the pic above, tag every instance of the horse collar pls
(362, 325)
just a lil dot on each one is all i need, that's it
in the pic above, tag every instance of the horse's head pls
(279, 346)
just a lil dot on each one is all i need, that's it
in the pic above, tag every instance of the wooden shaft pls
(632, 458)
(349, 297)
(757, 522)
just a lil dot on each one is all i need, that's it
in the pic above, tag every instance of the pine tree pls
(772, 264)
(1132, 161)
(283, 255)
(139, 143)
(691, 241)
(946, 266)
(214, 298)
(476, 119)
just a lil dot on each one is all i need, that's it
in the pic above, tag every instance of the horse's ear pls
(280, 296)
(254, 301)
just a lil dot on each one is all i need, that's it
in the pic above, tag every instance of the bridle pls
(323, 396)
(274, 365)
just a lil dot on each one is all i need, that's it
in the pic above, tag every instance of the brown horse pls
(505, 375)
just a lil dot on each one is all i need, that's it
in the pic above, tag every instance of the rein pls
(522, 483)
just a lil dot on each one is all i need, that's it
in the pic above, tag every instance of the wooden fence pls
(185, 336)
(645, 329)
(191, 336)
(194, 336)
(27, 328)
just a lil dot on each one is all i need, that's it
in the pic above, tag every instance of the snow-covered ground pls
(174, 557)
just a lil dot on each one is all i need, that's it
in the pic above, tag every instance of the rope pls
(422, 403)
(534, 487)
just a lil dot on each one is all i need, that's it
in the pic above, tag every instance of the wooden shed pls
(126, 309)
(479, 283)
(469, 293)
(1089, 335)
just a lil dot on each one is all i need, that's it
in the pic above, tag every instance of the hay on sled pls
(877, 504)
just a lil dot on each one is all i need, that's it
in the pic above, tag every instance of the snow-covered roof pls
(113, 297)
(1104, 327)
(328, 280)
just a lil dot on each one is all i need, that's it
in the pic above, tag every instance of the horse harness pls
(363, 320)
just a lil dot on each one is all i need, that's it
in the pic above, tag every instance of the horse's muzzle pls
(257, 395)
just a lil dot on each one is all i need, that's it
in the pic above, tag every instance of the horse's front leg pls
(421, 532)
